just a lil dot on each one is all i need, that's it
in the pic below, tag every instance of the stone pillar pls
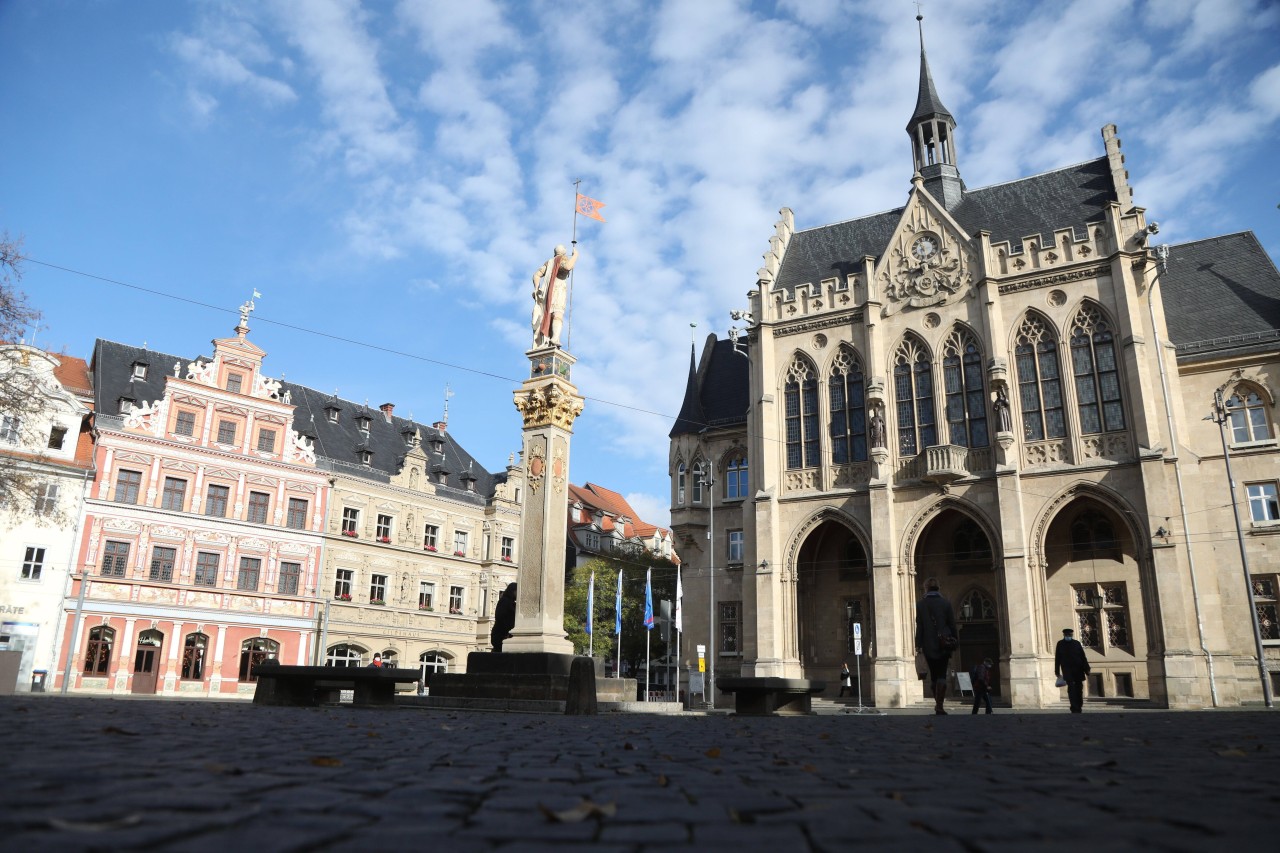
(548, 403)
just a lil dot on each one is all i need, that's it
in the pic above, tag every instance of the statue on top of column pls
(550, 292)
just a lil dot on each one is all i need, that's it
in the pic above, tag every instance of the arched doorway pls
(146, 661)
(957, 551)
(833, 602)
(1093, 585)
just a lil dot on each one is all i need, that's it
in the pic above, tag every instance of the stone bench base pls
(308, 686)
(763, 697)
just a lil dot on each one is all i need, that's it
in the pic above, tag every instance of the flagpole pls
(618, 622)
(648, 636)
(568, 317)
(591, 622)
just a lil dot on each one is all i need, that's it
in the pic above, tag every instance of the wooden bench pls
(760, 697)
(308, 686)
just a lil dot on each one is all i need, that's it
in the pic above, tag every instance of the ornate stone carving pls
(799, 481)
(848, 318)
(1057, 278)
(264, 387)
(925, 266)
(1114, 446)
(201, 371)
(536, 467)
(548, 405)
(149, 418)
(1044, 453)
(301, 448)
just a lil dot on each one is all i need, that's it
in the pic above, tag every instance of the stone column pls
(548, 403)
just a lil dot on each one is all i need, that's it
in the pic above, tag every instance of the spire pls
(690, 418)
(932, 132)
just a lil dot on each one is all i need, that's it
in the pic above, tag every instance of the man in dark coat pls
(1071, 664)
(504, 617)
(935, 621)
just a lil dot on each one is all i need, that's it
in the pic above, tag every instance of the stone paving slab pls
(108, 774)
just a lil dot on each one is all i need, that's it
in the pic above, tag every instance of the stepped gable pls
(1035, 206)
(1221, 295)
(339, 443)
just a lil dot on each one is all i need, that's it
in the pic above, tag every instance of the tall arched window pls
(913, 393)
(801, 396)
(254, 652)
(1039, 380)
(345, 654)
(847, 390)
(680, 469)
(966, 400)
(433, 662)
(699, 479)
(736, 479)
(97, 658)
(1248, 413)
(193, 656)
(1093, 357)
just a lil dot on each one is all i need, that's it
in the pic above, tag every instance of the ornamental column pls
(548, 402)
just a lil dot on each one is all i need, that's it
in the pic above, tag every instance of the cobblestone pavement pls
(106, 774)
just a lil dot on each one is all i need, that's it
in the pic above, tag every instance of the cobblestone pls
(99, 773)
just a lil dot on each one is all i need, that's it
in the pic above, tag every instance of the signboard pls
(857, 631)
(857, 647)
(702, 658)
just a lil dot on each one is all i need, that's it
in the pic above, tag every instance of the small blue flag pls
(591, 600)
(617, 608)
(648, 599)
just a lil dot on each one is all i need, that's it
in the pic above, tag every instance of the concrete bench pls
(760, 697)
(308, 686)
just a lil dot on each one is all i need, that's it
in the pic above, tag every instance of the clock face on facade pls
(925, 247)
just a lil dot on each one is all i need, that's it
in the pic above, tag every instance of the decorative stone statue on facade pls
(876, 428)
(550, 293)
(1004, 419)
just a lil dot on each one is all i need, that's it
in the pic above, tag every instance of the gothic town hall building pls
(1006, 388)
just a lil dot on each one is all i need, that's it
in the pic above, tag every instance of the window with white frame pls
(426, 595)
(57, 437)
(730, 628)
(735, 547)
(1264, 504)
(32, 563)
(459, 543)
(699, 480)
(342, 584)
(591, 540)
(350, 521)
(377, 589)
(1247, 414)
(432, 662)
(206, 569)
(508, 549)
(290, 573)
(139, 370)
(46, 498)
(455, 600)
(430, 536)
(115, 558)
(384, 528)
(345, 654)
(736, 479)
(10, 428)
(162, 560)
(1265, 602)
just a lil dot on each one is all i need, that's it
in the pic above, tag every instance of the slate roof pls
(337, 443)
(1036, 206)
(1221, 295)
(928, 104)
(719, 388)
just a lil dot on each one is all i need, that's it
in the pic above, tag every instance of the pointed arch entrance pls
(958, 551)
(833, 595)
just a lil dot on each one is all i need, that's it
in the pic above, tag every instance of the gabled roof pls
(1035, 206)
(719, 388)
(340, 443)
(73, 373)
(1221, 295)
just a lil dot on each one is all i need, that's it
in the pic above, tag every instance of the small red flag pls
(590, 207)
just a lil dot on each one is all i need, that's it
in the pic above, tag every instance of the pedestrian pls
(504, 617)
(846, 679)
(377, 661)
(980, 676)
(1070, 664)
(936, 638)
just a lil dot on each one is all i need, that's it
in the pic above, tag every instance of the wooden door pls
(146, 661)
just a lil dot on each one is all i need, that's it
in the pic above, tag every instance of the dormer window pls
(363, 422)
(437, 445)
(139, 370)
(366, 457)
(234, 382)
(333, 415)
(408, 436)
(126, 405)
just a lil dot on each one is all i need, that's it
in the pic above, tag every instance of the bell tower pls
(932, 132)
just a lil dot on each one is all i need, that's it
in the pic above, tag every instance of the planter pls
(385, 540)
(377, 601)
(459, 553)
(342, 598)
(431, 548)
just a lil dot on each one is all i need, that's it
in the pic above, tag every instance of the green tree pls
(634, 567)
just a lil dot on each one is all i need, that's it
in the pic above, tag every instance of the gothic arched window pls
(698, 479)
(1248, 413)
(736, 478)
(966, 400)
(801, 398)
(1092, 535)
(680, 469)
(1093, 357)
(1039, 381)
(913, 393)
(848, 409)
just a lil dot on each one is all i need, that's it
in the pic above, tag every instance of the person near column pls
(846, 679)
(980, 676)
(504, 617)
(936, 638)
(1071, 664)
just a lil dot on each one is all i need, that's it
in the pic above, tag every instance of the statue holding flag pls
(550, 291)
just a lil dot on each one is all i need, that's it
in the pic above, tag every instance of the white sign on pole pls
(857, 630)
(857, 646)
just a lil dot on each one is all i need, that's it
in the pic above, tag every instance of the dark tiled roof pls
(1038, 205)
(721, 388)
(1221, 294)
(113, 366)
(690, 418)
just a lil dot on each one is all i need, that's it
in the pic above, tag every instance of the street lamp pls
(1220, 416)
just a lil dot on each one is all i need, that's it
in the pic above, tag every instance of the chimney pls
(387, 409)
(440, 425)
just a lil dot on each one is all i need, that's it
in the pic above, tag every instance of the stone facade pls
(1003, 388)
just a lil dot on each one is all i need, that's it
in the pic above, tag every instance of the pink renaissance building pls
(201, 546)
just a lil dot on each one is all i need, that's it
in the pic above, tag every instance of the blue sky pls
(392, 173)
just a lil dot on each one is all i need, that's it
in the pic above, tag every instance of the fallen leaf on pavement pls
(326, 761)
(713, 752)
(580, 812)
(116, 730)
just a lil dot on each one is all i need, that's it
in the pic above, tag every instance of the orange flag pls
(590, 207)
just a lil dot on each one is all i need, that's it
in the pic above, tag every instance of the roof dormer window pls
(333, 415)
(127, 405)
(366, 457)
(139, 371)
(410, 438)
(363, 422)
(437, 445)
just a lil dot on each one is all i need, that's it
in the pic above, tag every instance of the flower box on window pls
(459, 553)
(377, 601)
(342, 596)
(386, 540)
(351, 533)
(424, 607)
(455, 611)
(506, 559)
(431, 548)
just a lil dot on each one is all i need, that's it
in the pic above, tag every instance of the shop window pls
(254, 652)
(97, 659)
(193, 656)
